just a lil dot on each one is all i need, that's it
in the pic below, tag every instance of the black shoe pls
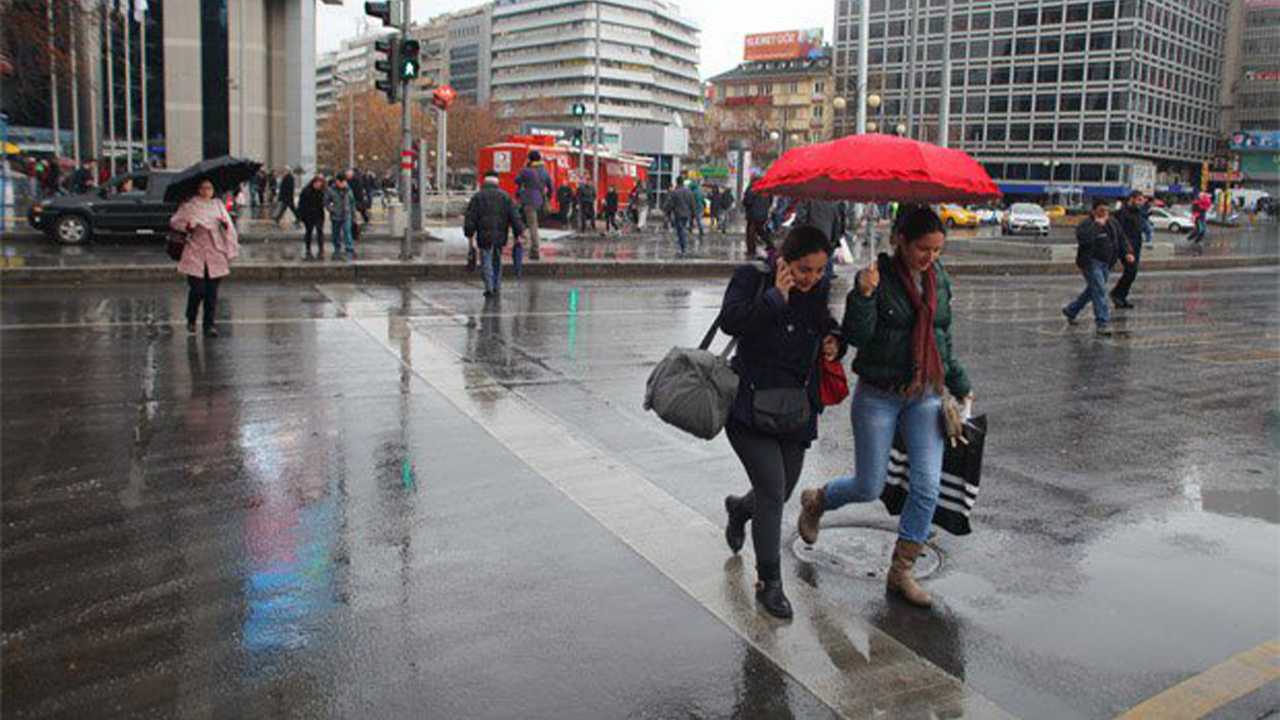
(769, 594)
(1122, 304)
(1103, 331)
(211, 331)
(191, 326)
(735, 531)
(1070, 318)
(488, 293)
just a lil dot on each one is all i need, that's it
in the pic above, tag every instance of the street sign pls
(443, 97)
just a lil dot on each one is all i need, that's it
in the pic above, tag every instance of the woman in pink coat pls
(211, 245)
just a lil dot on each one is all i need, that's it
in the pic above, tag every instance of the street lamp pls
(839, 104)
(873, 101)
(901, 129)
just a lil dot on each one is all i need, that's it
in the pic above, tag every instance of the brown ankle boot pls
(901, 580)
(813, 502)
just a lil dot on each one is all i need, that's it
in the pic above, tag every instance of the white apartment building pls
(543, 61)
(350, 67)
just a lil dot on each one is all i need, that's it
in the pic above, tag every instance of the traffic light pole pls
(406, 143)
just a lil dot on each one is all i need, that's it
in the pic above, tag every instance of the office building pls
(348, 69)
(455, 51)
(1251, 93)
(1055, 98)
(220, 77)
(544, 61)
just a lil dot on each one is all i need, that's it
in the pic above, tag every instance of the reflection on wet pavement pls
(353, 504)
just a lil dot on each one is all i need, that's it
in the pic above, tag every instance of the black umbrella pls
(225, 172)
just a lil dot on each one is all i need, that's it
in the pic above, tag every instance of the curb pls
(381, 271)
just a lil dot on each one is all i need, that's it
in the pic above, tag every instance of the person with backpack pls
(898, 316)
(533, 191)
(780, 317)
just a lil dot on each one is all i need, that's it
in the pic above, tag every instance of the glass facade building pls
(1099, 96)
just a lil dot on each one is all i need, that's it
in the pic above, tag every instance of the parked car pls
(1054, 211)
(1025, 218)
(139, 210)
(987, 215)
(956, 216)
(1171, 220)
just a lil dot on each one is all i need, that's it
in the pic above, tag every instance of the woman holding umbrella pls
(211, 245)
(898, 315)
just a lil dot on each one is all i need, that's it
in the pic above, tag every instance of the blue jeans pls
(491, 268)
(342, 235)
(877, 415)
(1095, 291)
(682, 234)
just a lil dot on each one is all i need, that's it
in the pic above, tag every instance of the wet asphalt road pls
(364, 501)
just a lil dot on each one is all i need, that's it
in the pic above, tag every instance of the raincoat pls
(212, 241)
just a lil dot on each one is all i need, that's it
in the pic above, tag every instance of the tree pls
(472, 127)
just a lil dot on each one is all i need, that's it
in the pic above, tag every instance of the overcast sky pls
(723, 22)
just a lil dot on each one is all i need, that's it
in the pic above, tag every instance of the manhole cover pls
(860, 552)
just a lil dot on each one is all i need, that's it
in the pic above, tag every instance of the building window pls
(1074, 42)
(999, 104)
(1001, 48)
(1046, 102)
(978, 76)
(1100, 40)
(1020, 132)
(1050, 45)
(981, 20)
(1105, 10)
(1051, 15)
(1068, 132)
(1004, 19)
(1100, 71)
(1070, 102)
(1095, 131)
(1044, 132)
(1026, 46)
(1039, 170)
(1021, 103)
(1116, 131)
(819, 87)
(973, 133)
(214, 70)
(975, 105)
(1078, 12)
(1095, 101)
(1015, 171)
(978, 49)
(1024, 74)
(996, 133)
(1048, 74)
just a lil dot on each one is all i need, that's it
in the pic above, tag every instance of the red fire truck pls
(621, 171)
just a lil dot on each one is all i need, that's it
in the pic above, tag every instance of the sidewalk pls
(278, 254)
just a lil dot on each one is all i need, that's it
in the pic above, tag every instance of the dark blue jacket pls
(778, 341)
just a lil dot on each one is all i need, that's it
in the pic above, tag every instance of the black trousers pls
(318, 227)
(202, 291)
(287, 205)
(1121, 291)
(773, 466)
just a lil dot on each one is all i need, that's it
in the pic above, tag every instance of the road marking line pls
(1201, 694)
(883, 676)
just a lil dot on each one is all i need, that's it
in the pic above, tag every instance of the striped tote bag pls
(961, 478)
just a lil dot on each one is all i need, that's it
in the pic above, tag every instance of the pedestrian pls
(700, 205)
(491, 215)
(587, 206)
(1200, 216)
(683, 208)
(285, 197)
(781, 321)
(829, 217)
(340, 202)
(724, 206)
(211, 245)
(898, 316)
(1100, 242)
(1133, 223)
(361, 195)
(533, 190)
(611, 211)
(311, 212)
(756, 208)
(638, 203)
(564, 199)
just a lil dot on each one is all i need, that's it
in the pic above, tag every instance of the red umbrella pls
(878, 168)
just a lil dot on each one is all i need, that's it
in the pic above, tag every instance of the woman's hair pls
(803, 241)
(916, 221)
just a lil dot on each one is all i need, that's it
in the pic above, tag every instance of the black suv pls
(114, 209)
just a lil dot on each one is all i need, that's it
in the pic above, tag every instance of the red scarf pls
(926, 361)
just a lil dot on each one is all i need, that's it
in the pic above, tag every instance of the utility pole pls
(913, 22)
(53, 88)
(111, 86)
(406, 136)
(864, 37)
(944, 109)
(351, 126)
(75, 96)
(128, 89)
(141, 14)
(595, 133)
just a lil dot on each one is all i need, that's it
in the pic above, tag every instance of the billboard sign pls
(785, 45)
(1255, 141)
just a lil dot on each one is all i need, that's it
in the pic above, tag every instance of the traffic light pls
(577, 138)
(408, 59)
(386, 11)
(579, 109)
(388, 81)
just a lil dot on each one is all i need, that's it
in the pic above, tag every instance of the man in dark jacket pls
(566, 199)
(684, 207)
(311, 212)
(1100, 242)
(1134, 223)
(285, 197)
(533, 190)
(586, 206)
(827, 216)
(491, 214)
(756, 207)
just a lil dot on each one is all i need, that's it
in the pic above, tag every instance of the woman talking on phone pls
(898, 316)
(779, 316)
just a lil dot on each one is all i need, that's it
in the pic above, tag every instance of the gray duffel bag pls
(694, 388)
